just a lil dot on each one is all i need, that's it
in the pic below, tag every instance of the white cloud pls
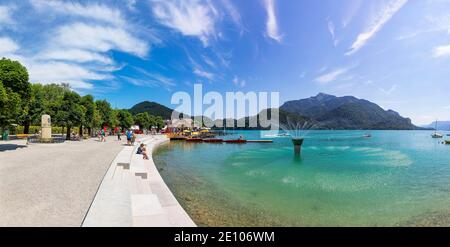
(131, 4)
(150, 79)
(7, 46)
(233, 13)
(442, 51)
(191, 18)
(447, 107)
(77, 51)
(331, 76)
(352, 10)
(239, 82)
(272, 23)
(379, 20)
(331, 29)
(100, 39)
(390, 90)
(60, 72)
(92, 11)
(75, 55)
(5, 16)
(203, 74)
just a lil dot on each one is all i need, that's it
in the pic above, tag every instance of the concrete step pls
(145, 205)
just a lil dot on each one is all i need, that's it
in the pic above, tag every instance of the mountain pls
(152, 108)
(331, 112)
(319, 112)
(283, 116)
(441, 125)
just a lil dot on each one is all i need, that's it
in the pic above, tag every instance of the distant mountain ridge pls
(441, 125)
(152, 108)
(347, 113)
(321, 112)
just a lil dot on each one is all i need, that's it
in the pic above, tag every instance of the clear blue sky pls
(395, 53)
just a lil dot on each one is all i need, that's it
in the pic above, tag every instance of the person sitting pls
(142, 150)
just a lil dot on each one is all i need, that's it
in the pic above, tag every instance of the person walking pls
(128, 133)
(119, 134)
(103, 135)
(133, 138)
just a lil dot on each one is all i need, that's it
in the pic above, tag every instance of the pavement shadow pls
(10, 147)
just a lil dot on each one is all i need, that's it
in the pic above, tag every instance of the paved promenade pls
(134, 194)
(51, 184)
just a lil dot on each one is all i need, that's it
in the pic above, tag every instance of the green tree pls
(15, 77)
(53, 95)
(33, 111)
(143, 120)
(9, 107)
(156, 121)
(88, 121)
(125, 119)
(72, 112)
(159, 122)
(106, 113)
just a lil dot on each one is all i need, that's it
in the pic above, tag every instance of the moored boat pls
(436, 134)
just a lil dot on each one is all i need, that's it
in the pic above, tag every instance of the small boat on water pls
(237, 141)
(284, 135)
(213, 140)
(367, 136)
(436, 134)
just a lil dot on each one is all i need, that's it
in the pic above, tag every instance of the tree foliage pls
(24, 103)
(124, 119)
(9, 106)
(15, 76)
(106, 113)
(142, 120)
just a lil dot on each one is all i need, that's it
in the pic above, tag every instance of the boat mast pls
(435, 127)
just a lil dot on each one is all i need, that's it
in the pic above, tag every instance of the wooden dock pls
(261, 141)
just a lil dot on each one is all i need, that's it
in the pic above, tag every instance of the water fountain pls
(295, 129)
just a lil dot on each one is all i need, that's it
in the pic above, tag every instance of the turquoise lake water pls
(395, 178)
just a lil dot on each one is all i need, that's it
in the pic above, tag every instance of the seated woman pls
(144, 152)
(140, 149)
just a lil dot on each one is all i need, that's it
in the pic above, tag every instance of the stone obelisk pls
(46, 127)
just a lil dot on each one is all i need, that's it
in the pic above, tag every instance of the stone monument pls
(46, 125)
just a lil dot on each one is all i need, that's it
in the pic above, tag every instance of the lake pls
(395, 178)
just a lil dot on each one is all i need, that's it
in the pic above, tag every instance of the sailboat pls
(436, 135)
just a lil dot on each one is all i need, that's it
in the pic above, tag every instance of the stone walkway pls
(51, 184)
(134, 194)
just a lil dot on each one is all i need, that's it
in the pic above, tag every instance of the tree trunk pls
(26, 128)
(81, 131)
(68, 133)
(90, 131)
